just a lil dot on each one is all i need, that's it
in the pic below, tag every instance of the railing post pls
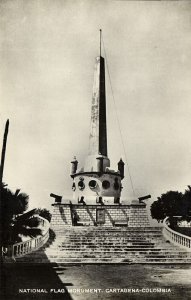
(10, 251)
(176, 237)
(23, 248)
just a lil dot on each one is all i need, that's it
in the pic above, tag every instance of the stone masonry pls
(61, 215)
(134, 215)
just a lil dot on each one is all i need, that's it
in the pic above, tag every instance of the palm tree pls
(14, 221)
(25, 225)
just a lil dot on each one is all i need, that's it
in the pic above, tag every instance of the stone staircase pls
(91, 245)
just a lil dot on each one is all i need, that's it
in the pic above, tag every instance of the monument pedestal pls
(133, 215)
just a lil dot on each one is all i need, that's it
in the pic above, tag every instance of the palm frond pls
(30, 222)
(32, 232)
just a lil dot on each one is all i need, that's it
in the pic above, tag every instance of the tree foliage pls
(13, 203)
(43, 212)
(172, 203)
(15, 222)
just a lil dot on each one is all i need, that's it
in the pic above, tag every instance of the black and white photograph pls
(95, 145)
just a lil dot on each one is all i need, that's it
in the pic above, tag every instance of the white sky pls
(46, 74)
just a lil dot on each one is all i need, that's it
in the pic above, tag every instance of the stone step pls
(167, 256)
(85, 254)
(109, 258)
(118, 254)
(113, 254)
(101, 246)
(135, 252)
(135, 249)
(174, 259)
(101, 228)
(106, 242)
(106, 232)
(101, 254)
(102, 249)
(89, 245)
(109, 230)
(97, 245)
(158, 248)
(124, 235)
(61, 249)
(103, 237)
(117, 239)
(112, 242)
(109, 261)
(106, 254)
(149, 252)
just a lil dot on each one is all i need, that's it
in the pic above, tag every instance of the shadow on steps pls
(17, 277)
(21, 280)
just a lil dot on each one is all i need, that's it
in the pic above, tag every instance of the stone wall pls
(128, 215)
(61, 215)
(138, 216)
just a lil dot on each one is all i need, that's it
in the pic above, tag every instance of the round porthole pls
(105, 184)
(81, 185)
(92, 184)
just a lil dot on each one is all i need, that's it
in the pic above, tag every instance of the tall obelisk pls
(98, 125)
(98, 130)
(95, 182)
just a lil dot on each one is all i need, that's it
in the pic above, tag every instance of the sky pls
(47, 55)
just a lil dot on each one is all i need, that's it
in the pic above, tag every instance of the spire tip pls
(100, 42)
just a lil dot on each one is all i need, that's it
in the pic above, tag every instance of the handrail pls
(23, 248)
(175, 237)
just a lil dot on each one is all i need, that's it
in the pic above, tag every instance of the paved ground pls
(129, 282)
(88, 282)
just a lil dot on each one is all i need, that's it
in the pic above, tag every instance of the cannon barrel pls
(57, 197)
(144, 198)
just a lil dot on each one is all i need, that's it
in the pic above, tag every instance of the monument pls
(97, 188)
